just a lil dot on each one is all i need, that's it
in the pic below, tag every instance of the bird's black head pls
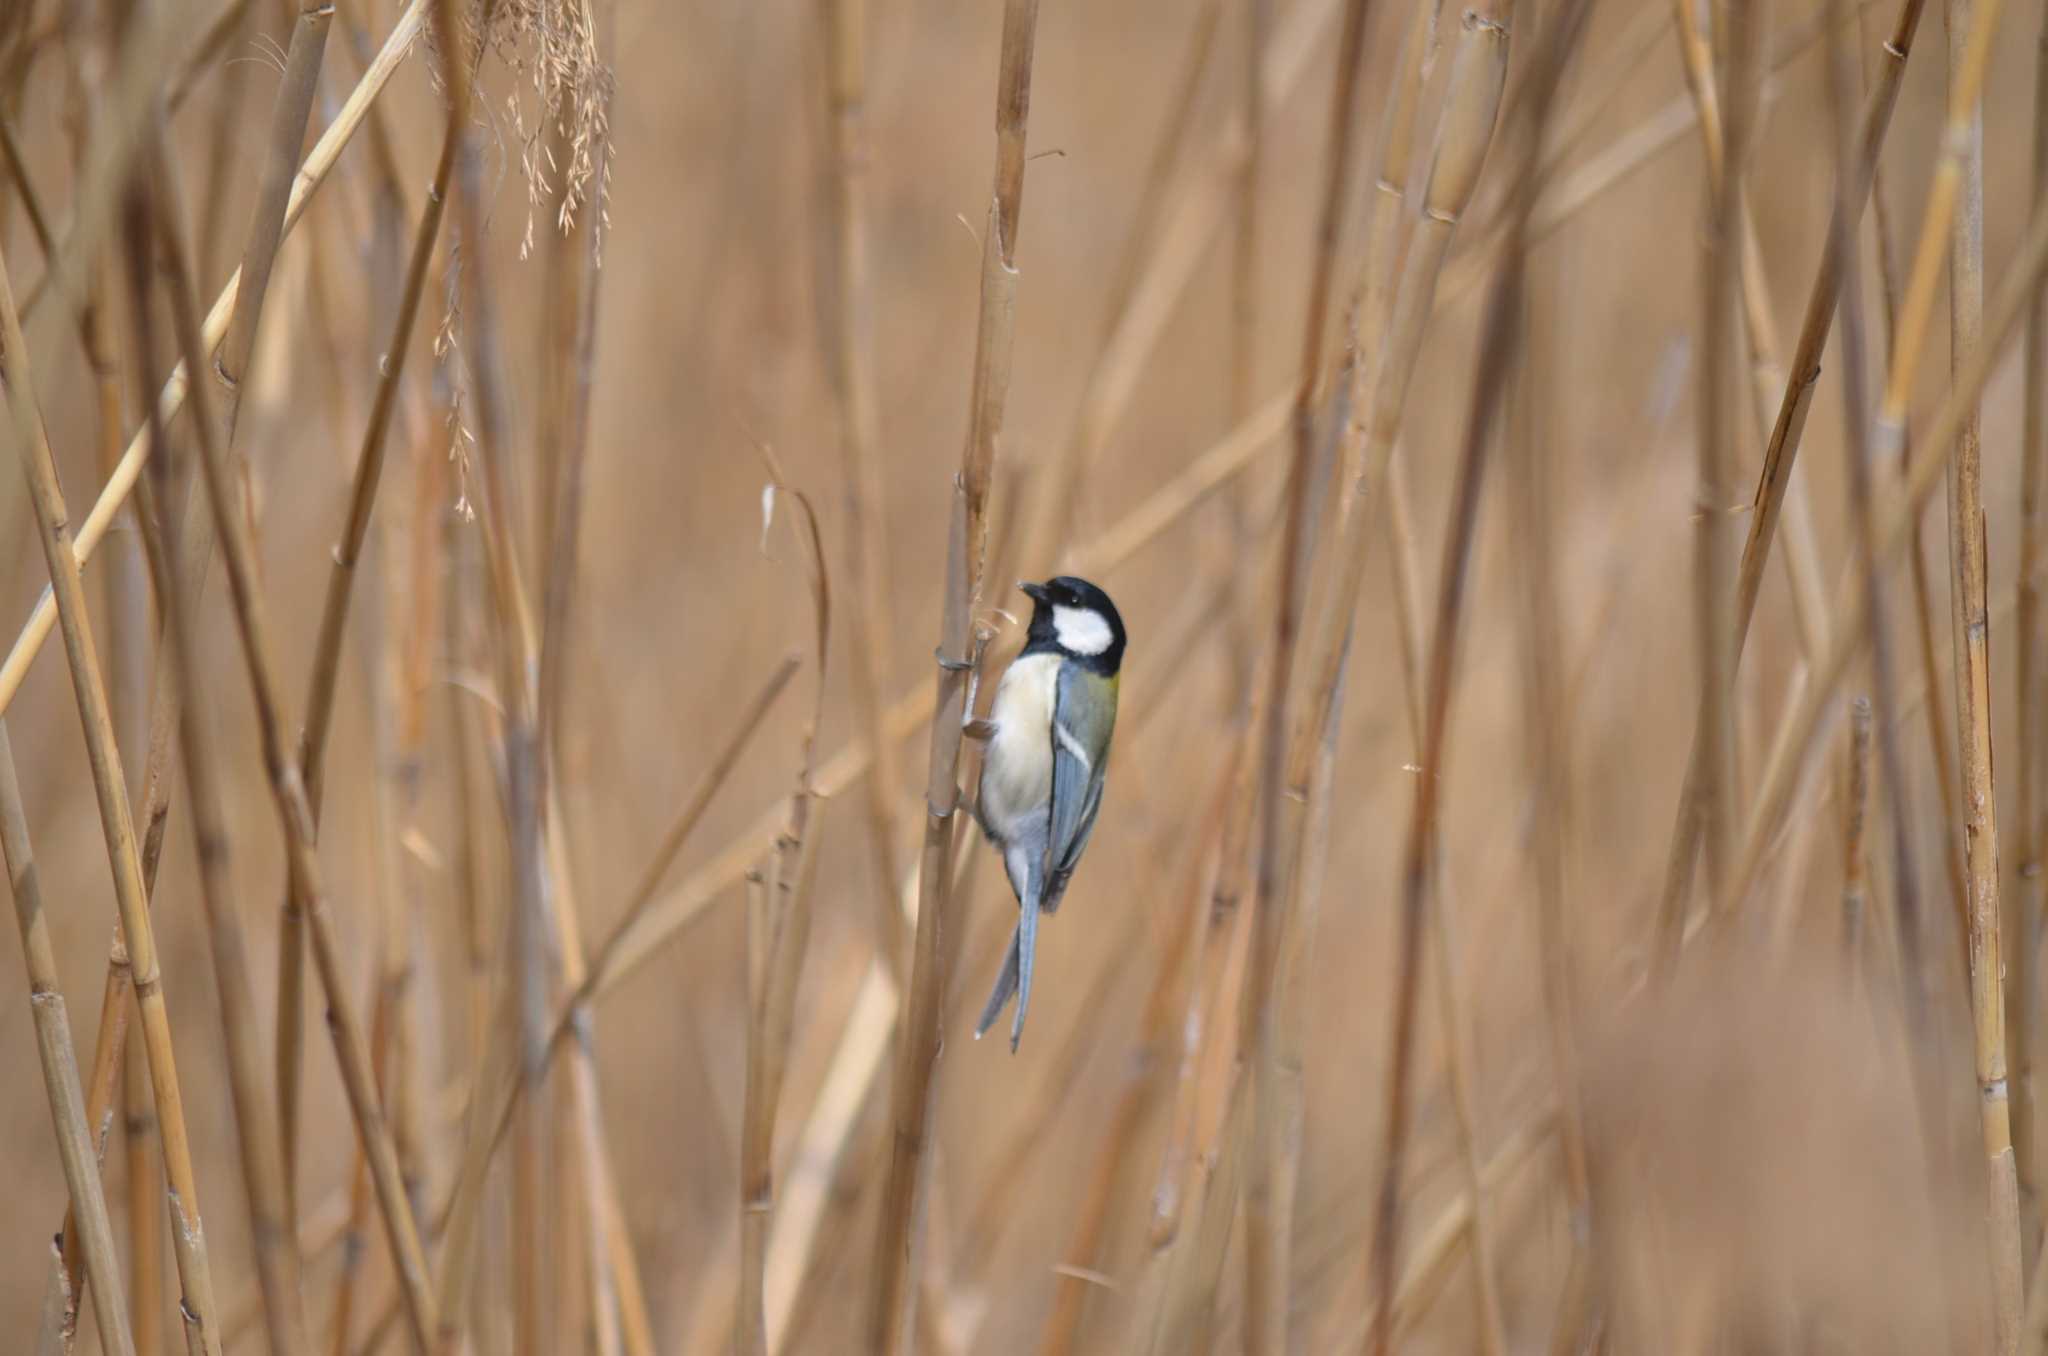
(1074, 618)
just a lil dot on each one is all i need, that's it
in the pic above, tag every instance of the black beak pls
(1036, 592)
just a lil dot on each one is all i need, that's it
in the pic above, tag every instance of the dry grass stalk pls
(259, 1130)
(59, 1062)
(1266, 1243)
(312, 173)
(860, 438)
(2031, 807)
(67, 589)
(1971, 24)
(1782, 450)
(771, 1013)
(889, 1300)
(1485, 42)
(288, 790)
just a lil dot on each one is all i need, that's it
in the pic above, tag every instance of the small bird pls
(1048, 744)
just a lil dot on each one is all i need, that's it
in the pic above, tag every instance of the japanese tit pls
(1048, 744)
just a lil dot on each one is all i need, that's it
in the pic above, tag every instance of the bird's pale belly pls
(1016, 777)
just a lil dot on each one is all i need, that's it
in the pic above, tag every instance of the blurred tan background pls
(717, 283)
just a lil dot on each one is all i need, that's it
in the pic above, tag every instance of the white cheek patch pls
(1082, 630)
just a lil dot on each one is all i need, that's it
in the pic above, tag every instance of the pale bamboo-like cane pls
(1971, 24)
(288, 790)
(2032, 667)
(59, 1062)
(53, 528)
(889, 1298)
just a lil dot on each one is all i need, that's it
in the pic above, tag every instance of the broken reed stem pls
(59, 1061)
(1780, 454)
(258, 1129)
(288, 790)
(893, 1284)
(2032, 701)
(1971, 23)
(772, 992)
(67, 588)
(860, 440)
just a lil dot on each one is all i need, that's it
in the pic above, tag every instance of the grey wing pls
(1080, 746)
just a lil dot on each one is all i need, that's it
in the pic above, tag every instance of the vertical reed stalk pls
(1970, 23)
(59, 1061)
(1713, 545)
(2032, 807)
(258, 1131)
(1266, 1242)
(288, 791)
(1492, 371)
(771, 1011)
(68, 592)
(1546, 722)
(890, 1295)
(860, 439)
(1781, 452)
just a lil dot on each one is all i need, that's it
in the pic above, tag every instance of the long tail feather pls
(1006, 984)
(1027, 948)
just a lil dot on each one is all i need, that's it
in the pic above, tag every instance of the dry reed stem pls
(860, 440)
(1139, 1094)
(524, 773)
(1312, 753)
(1780, 454)
(259, 1132)
(2031, 807)
(771, 1014)
(59, 1061)
(1856, 816)
(1893, 521)
(893, 1286)
(1717, 799)
(1496, 354)
(326, 665)
(312, 173)
(1546, 721)
(145, 1210)
(288, 790)
(67, 588)
(1244, 309)
(1759, 330)
(1968, 25)
(1266, 1242)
